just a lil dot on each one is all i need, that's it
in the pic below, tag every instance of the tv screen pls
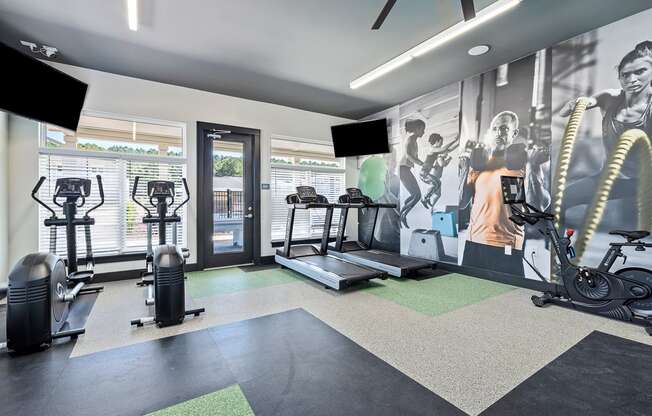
(357, 139)
(35, 90)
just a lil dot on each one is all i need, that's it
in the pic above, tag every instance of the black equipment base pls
(150, 320)
(549, 298)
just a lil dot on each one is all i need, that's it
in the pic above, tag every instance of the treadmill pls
(314, 262)
(362, 253)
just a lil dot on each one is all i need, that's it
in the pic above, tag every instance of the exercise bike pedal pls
(541, 301)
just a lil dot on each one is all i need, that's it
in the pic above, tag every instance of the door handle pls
(249, 216)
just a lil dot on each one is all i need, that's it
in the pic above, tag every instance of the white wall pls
(130, 96)
(23, 174)
(4, 195)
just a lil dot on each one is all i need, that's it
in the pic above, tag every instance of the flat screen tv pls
(357, 139)
(33, 89)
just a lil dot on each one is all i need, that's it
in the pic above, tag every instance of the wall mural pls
(455, 143)
(612, 68)
(379, 180)
(430, 143)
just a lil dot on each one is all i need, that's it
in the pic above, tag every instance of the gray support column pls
(4, 196)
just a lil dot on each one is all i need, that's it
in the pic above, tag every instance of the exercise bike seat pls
(84, 276)
(631, 235)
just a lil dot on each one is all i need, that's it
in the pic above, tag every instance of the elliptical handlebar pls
(185, 186)
(133, 196)
(100, 189)
(34, 197)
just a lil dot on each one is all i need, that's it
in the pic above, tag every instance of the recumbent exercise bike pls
(625, 295)
(164, 266)
(42, 285)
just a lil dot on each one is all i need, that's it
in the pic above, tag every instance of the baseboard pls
(265, 261)
(509, 279)
(116, 276)
(449, 267)
(131, 274)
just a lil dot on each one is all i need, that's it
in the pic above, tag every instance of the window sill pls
(313, 240)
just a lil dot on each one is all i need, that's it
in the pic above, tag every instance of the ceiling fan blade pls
(383, 14)
(468, 8)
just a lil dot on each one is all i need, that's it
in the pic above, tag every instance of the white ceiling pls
(299, 53)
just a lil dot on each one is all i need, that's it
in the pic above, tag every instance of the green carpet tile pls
(231, 280)
(226, 402)
(437, 295)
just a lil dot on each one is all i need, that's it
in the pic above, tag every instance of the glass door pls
(227, 232)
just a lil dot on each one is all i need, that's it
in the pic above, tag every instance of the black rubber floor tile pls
(601, 375)
(141, 378)
(293, 364)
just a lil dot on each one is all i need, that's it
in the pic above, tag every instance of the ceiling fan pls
(468, 9)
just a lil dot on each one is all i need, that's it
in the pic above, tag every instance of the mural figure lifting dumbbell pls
(490, 231)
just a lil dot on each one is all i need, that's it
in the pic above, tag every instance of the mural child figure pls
(416, 128)
(493, 241)
(433, 167)
(629, 107)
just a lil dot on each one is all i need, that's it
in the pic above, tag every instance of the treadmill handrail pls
(381, 205)
(363, 205)
(309, 205)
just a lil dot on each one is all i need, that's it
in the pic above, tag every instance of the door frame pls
(203, 214)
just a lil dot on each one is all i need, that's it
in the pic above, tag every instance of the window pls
(295, 163)
(118, 149)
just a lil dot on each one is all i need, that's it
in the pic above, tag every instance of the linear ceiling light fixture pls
(484, 15)
(132, 14)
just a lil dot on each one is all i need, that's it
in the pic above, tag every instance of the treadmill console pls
(160, 189)
(354, 196)
(306, 194)
(72, 188)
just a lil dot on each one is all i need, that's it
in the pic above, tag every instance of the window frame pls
(89, 154)
(299, 167)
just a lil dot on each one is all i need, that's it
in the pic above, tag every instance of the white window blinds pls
(118, 225)
(118, 150)
(291, 169)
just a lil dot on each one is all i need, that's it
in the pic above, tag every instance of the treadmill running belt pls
(345, 269)
(392, 259)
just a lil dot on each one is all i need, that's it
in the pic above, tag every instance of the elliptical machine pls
(625, 295)
(164, 275)
(40, 288)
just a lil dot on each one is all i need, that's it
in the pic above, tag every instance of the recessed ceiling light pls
(497, 8)
(132, 14)
(479, 50)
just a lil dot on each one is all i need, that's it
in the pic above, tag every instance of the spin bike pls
(624, 295)
(164, 275)
(42, 285)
